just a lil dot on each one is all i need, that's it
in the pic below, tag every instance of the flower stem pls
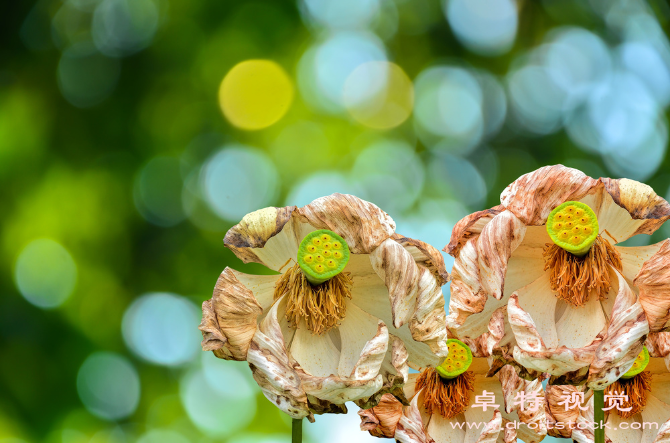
(599, 416)
(297, 430)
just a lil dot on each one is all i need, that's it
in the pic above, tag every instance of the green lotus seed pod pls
(322, 255)
(457, 362)
(573, 226)
(640, 364)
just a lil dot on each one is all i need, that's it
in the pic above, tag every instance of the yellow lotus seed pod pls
(311, 249)
(316, 241)
(579, 230)
(458, 360)
(319, 268)
(337, 245)
(325, 237)
(319, 258)
(640, 364)
(326, 246)
(331, 263)
(308, 258)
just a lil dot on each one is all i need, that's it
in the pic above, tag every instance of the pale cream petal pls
(365, 380)
(267, 236)
(579, 326)
(374, 301)
(539, 301)
(269, 363)
(655, 411)
(426, 255)
(410, 387)
(362, 224)
(477, 415)
(446, 430)
(468, 227)
(663, 433)
(653, 281)
(356, 329)
(626, 333)
(495, 245)
(237, 311)
(531, 351)
(619, 435)
(633, 257)
(641, 203)
(262, 286)
(316, 354)
(534, 195)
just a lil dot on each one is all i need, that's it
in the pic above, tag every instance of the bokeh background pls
(134, 133)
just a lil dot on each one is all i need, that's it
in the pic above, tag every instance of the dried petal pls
(534, 195)
(426, 255)
(653, 280)
(470, 226)
(269, 363)
(381, 421)
(236, 312)
(410, 428)
(362, 224)
(626, 333)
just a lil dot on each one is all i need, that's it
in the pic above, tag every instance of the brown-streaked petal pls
(426, 255)
(237, 312)
(534, 195)
(395, 373)
(663, 433)
(510, 433)
(381, 421)
(495, 245)
(532, 353)
(469, 226)
(626, 333)
(511, 386)
(269, 363)
(484, 345)
(658, 344)
(641, 202)
(653, 281)
(561, 418)
(414, 294)
(634, 257)
(266, 236)
(492, 429)
(362, 224)
(467, 295)
(365, 379)
(410, 428)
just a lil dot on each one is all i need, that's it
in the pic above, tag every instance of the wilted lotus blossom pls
(637, 405)
(549, 254)
(351, 305)
(459, 404)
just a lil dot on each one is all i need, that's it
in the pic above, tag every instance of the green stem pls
(297, 430)
(599, 415)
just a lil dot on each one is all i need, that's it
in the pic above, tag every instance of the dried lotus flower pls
(549, 254)
(443, 407)
(638, 403)
(351, 304)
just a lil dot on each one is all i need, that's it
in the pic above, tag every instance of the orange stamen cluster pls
(446, 396)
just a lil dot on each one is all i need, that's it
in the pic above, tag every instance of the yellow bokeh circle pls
(255, 94)
(379, 95)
